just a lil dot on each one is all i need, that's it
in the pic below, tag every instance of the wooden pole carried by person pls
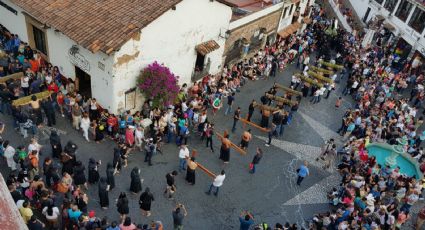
(28, 99)
(244, 121)
(334, 66)
(287, 89)
(310, 81)
(14, 76)
(208, 172)
(265, 107)
(280, 99)
(234, 146)
(319, 76)
(320, 70)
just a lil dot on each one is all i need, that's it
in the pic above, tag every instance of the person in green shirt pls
(22, 154)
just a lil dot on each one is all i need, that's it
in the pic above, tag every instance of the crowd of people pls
(374, 195)
(371, 196)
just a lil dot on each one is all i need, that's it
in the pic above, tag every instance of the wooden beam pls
(319, 76)
(287, 89)
(208, 172)
(254, 125)
(320, 70)
(265, 107)
(15, 76)
(334, 66)
(281, 99)
(27, 99)
(236, 147)
(309, 80)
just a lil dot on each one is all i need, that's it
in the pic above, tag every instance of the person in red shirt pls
(60, 99)
(52, 87)
(112, 123)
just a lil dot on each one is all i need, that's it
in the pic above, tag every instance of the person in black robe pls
(93, 171)
(117, 162)
(305, 89)
(110, 176)
(103, 193)
(145, 202)
(55, 142)
(122, 206)
(136, 182)
(79, 176)
(49, 110)
(190, 171)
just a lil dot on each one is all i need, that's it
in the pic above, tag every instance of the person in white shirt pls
(9, 152)
(85, 125)
(217, 183)
(51, 213)
(139, 135)
(183, 154)
(25, 85)
(34, 145)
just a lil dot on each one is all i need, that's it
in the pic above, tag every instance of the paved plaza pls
(271, 194)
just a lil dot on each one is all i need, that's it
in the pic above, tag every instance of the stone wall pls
(269, 23)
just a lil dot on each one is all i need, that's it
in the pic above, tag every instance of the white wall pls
(256, 15)
(171, 40)
(402, 28)
(14, 23)
(58, 47)
(101, 80)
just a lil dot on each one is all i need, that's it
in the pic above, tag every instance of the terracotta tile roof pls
(97, 24)
(285, 32)
(207, 47)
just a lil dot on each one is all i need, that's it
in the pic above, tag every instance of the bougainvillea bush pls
(159, 84)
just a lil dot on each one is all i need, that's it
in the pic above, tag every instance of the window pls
(379, 1)
(390, 5)
(292, 7)
(39, 40)
(403, 10)
(417, 22)
(284, 12)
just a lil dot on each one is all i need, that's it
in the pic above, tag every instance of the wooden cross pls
(254, 125)
(280, 99)
(208, 172)
(236, 147)
(287, 89)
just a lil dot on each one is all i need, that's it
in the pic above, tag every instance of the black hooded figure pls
(79, 175)
(71, 149)
(103, 193)
(93, 171)
(117, 161)
(110, 176)
(136, 183)
(55, 142)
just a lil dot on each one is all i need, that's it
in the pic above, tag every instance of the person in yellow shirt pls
(26, 211)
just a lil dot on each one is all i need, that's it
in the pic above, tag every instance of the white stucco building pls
(103, 45)
(405, 19)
